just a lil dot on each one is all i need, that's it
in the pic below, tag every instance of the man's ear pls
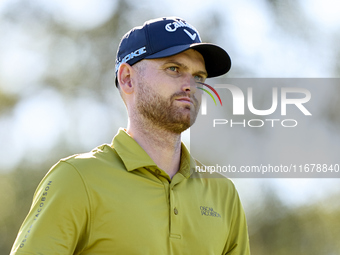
(124, 77)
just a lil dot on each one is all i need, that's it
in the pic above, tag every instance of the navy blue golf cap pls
(164, 37)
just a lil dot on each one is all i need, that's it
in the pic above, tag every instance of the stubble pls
(162, 112)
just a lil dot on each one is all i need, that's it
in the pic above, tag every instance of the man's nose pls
(189, 84)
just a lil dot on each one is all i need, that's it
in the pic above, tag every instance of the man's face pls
(166, 94)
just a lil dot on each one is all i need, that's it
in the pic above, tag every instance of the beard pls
(163, 113)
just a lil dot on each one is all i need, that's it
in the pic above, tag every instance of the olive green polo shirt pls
(115, 200)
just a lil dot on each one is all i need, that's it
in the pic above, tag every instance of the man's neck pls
(163, 147)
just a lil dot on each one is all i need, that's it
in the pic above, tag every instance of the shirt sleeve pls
(238, 240)
(58, 221)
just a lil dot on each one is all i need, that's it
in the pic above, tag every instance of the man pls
(137, 195)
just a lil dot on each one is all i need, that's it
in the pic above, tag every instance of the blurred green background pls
(57, 97)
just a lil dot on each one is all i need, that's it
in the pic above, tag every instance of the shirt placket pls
(175, 228)
(172, 199)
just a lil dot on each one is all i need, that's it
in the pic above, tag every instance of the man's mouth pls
(184, 100)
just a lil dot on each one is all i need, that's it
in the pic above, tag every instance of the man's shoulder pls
(215, 178)
(100, 157)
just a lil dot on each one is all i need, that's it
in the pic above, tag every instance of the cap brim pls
(217, 60)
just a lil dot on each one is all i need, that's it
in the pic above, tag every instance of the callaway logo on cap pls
(165, 37)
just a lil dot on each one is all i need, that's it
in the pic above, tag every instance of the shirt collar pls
(188, 163)
(134, 156)
(130, 151)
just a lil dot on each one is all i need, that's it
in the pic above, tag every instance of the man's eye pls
(199, 78)
(173, 68)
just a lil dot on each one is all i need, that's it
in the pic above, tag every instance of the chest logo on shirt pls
(209, 211)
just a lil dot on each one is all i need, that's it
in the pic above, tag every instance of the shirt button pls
(158, 172)
(175, 211)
